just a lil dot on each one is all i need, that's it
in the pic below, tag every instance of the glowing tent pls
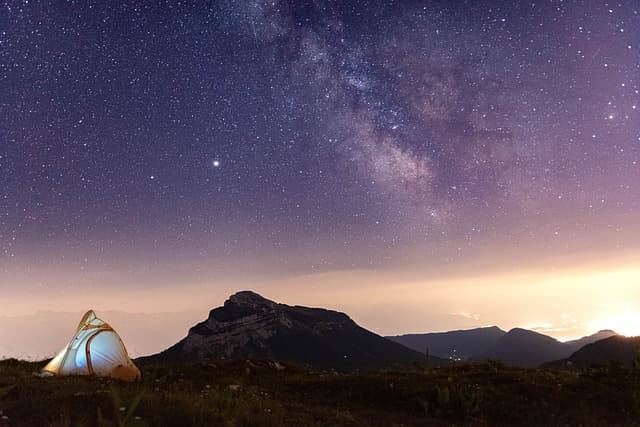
(95, 349)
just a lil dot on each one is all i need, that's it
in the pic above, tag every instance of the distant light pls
(625, 322)
(216, 163)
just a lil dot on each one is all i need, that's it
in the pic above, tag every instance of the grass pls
(259, 393)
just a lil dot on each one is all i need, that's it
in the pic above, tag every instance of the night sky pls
(161, 145)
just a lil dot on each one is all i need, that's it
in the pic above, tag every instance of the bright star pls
(216, 163)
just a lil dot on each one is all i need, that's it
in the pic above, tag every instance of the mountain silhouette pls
(576, 345)
(522, 347)
(518, 347)
(251, 326)
(453, 345)
(616, 349)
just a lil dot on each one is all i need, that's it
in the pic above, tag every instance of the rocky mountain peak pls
(249, 299)
(251, 326)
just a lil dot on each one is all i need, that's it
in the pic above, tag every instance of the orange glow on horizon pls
(625, 323)
(567, 302)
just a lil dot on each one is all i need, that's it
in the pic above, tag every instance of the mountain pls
(623, 350)
(522, 347)
(519, 347)
(576, 345)
(250, 326)
(453, 345)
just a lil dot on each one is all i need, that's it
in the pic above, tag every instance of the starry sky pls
(427, 158)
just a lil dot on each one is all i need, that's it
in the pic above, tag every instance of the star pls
(398, 137)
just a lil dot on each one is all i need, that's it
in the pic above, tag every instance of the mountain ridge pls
(251, 326)
(617, 349)
(461, 344)
(518, 346)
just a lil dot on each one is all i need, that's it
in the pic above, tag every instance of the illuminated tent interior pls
(95, 349)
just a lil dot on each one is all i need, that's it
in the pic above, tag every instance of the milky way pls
(206, 138)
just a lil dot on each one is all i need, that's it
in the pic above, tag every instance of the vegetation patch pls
(261, 393)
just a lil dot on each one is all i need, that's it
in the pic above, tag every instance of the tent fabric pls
(95, 349)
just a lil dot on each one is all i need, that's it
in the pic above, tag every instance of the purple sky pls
(181, 152)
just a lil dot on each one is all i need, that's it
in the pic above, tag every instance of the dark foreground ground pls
(244, 393)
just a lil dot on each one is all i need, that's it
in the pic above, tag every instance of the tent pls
(95, 349)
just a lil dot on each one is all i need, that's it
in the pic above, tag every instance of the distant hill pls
(518, 347)
(576, 345)
(619, 349)
(454, 345)
(250, 326)
(522, 347)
